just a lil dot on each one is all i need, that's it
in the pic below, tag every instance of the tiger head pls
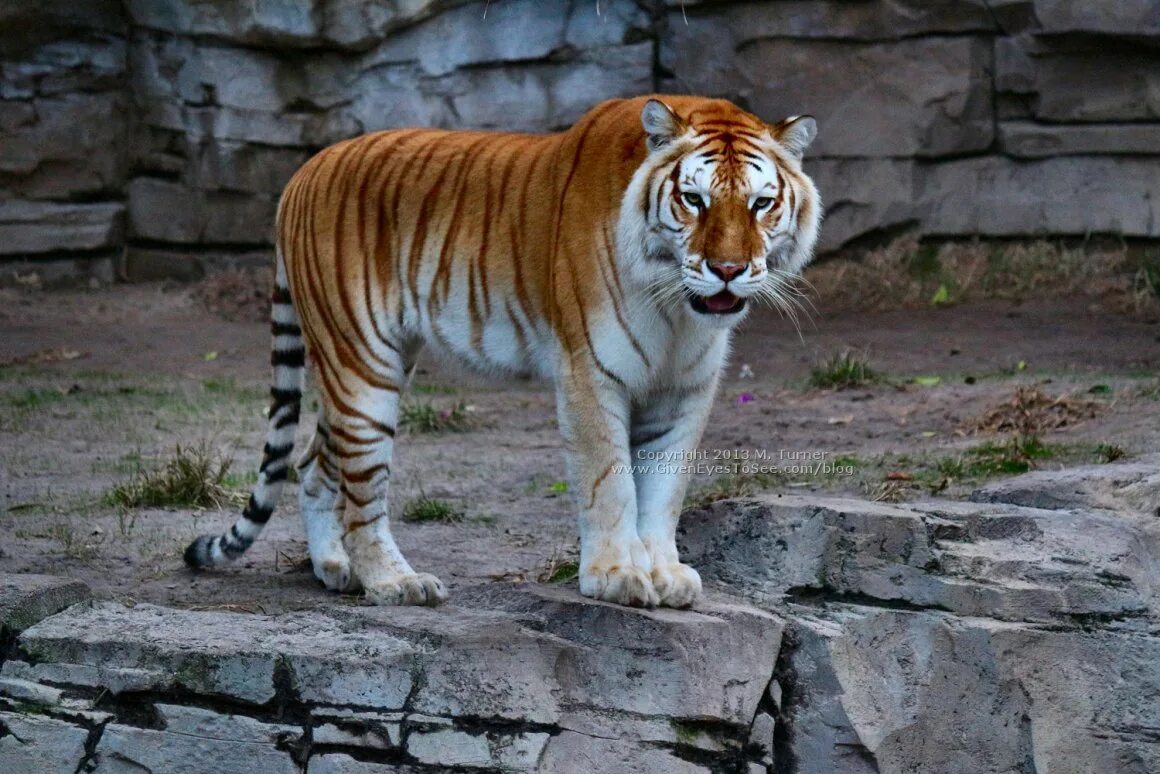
(720, 212)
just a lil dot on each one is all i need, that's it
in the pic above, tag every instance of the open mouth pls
(721, 303)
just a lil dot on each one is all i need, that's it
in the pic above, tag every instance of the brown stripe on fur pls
(363, 476)
(596, 484)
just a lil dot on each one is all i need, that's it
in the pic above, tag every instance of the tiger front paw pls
(623, 584)
(678, 585)
(335, 573)
(419, 588)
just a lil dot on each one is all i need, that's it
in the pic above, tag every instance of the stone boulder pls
(992, 636)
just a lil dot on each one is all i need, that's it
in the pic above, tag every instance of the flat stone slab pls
(1131, 486)
(1007, 562)
(27, 599)
(502, 679)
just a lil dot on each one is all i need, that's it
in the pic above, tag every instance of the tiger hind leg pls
(322, 504)
(362, 427)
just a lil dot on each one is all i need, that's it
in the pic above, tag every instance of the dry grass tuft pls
(1029, 411)
(425, 417)
(194, 477)
(894, 490)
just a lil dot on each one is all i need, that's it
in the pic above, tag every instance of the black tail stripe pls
(281, 295)
(275, 453)
(285, 329)
(291, 358)
(257, 513)
(281, 396)
(289, 418)
(278, 475)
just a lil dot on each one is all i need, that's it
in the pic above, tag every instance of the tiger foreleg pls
(593, 418)
(664, 436)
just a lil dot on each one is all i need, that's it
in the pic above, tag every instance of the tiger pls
(613, 260)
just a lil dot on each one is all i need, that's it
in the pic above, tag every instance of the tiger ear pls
(661, 124)
(796, 133)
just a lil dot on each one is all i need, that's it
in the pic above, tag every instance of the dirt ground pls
(99, 384)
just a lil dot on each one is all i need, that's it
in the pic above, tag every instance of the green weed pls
(425, 509)
(843, 370)
(193, 477)
(1109, 452)
(561, 567)
(426, 418)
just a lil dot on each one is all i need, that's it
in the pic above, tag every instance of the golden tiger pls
(614, 258)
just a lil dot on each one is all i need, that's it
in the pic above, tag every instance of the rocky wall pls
(154, 136)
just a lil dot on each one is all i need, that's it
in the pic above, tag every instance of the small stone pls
(775, 693)
(377, 730)
(761, 733)
(341, 763)
(449, 748)
(30, 692)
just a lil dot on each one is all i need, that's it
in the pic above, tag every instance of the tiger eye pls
(693, 200)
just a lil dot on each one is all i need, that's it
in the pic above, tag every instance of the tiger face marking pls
(723, 197)
(611, 259)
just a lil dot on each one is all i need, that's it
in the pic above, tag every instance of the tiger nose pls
(726, 271)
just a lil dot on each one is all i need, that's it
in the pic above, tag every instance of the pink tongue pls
(722, 302)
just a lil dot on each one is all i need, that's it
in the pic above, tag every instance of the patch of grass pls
(686, 733)
(923, 262)
(1110, 452)
(244, 480)
(729, 486)
(71, 544)
(426, 418)
(193, 477)
(1149, 391)
(1148, 275)
(561, 567)
(424, 509)
(33, 399)
(843, 370)
(988, 460)
(230, 388)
